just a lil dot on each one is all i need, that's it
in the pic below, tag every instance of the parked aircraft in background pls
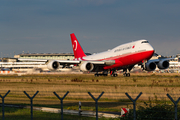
(124, 57)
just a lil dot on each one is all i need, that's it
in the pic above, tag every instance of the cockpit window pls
(144, 42)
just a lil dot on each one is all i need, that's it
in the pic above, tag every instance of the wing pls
(84, 65)
(63, 61)
(161, 59)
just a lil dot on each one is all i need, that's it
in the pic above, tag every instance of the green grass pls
(154, 88)
(24, 114)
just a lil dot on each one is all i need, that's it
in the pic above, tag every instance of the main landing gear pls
(105, 73)
(113, 73)
(126, 73)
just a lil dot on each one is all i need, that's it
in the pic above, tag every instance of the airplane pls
(124, 57)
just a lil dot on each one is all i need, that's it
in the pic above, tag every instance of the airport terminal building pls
(55, 56)
(28, 66)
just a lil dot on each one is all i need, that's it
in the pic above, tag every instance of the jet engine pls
(53, 65)
(86, 66)
(150, 66)
(163, 64)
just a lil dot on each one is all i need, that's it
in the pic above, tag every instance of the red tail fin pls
(77, 49)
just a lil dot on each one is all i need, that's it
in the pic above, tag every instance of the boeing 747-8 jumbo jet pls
(124, 57)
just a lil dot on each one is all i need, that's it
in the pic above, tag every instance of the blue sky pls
(44, 26)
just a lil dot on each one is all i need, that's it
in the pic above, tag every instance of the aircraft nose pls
(149, 47)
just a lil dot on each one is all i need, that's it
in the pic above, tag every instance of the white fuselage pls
(124, 49)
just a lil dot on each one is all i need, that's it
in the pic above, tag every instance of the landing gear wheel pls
(114, 75)
(126, 74)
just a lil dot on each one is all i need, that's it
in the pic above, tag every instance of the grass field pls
(153, 86)
(24, 114)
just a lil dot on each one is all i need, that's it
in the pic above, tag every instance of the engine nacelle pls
(86, 66)
(53, 65)
(164, 64)
(150, 66)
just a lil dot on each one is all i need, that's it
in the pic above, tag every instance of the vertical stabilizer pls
(77, 49)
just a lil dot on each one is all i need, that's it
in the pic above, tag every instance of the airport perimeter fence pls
(142, 106)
